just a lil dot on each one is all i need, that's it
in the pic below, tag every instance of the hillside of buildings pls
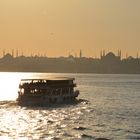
(107, 63)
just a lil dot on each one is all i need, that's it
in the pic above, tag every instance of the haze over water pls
(111, 111)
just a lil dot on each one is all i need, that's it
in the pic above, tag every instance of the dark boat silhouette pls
(42, 92)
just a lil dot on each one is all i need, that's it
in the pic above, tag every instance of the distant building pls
(80, 55)
(3, 53)
(8, 57)
(130, 58)
(110, 57)
(12, 53)
(16, 53)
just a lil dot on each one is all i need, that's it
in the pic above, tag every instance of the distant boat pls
(42, 92)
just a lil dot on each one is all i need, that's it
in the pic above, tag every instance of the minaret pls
(17, 53)
(101, 54)
(80, 54)
(12, 52)
(3, 53)
(119, 54)
(137, 55)
(126, 55)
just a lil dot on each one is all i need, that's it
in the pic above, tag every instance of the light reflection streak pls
(20, 122)
(9, 83)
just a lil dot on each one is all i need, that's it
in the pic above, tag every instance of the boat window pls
(36, 90)
(57, 91)
(65, 90)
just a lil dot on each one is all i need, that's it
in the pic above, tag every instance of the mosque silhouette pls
(107, 63)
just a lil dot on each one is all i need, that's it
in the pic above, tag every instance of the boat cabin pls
(58, 89)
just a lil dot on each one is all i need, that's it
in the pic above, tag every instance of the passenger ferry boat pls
(41, 92)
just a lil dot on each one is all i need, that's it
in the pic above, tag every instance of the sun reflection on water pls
(9, 86)
(9, 83)
(107, 114)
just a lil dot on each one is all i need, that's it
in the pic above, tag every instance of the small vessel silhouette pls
(42, 92)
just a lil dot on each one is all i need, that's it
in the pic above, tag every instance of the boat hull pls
(47, 100)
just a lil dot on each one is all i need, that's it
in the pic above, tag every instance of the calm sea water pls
(112, 110)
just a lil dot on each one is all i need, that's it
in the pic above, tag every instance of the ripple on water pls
(44, 123)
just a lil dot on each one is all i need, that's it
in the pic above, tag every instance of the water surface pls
(112, 110)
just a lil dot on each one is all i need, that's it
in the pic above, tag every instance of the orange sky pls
(60, 27)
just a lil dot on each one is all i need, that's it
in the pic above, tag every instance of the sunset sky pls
(59, 27)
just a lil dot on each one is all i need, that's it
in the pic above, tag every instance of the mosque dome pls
(8, 56)
(110, 55)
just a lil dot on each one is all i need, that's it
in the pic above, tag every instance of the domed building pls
(111, 57)
(8, 57)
